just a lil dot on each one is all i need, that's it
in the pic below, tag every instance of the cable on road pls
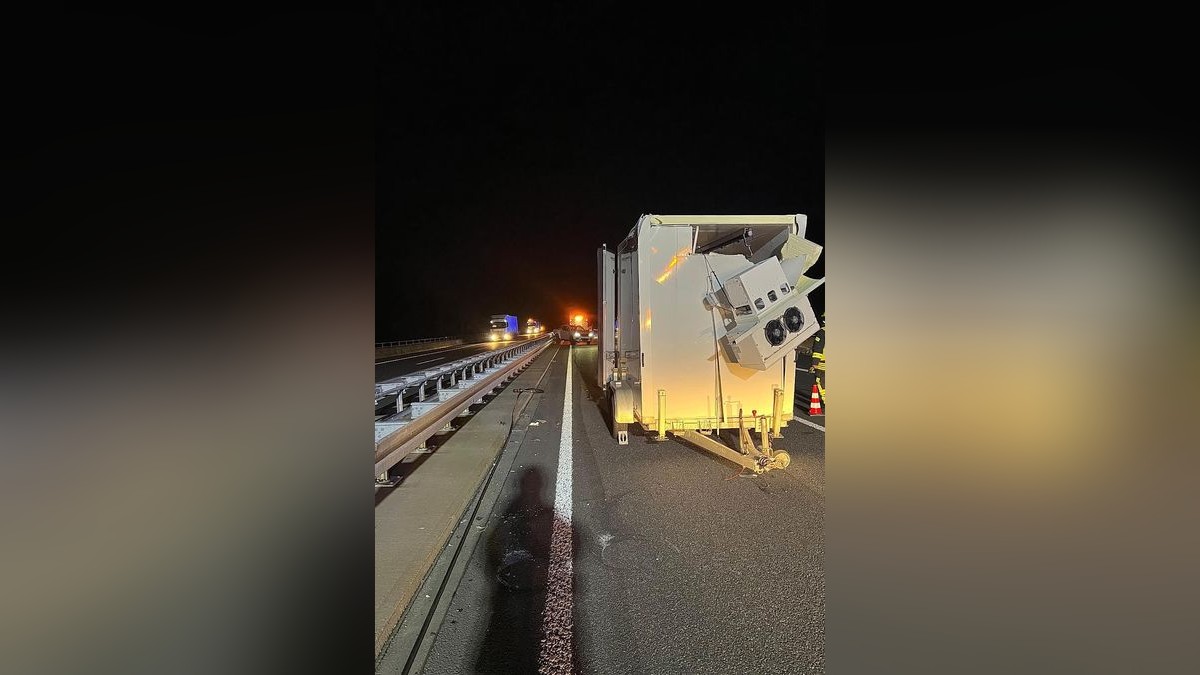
(513, 418)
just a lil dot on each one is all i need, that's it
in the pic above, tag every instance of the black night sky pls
(512, 143)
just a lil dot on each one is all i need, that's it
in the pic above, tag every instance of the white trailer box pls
(700, 320)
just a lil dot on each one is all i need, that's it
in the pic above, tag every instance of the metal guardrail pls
(457, 386)
(400, 343)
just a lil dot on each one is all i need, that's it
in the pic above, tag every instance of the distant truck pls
(502, 327)
(533, 327)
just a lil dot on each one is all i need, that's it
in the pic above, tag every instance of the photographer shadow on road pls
(518, 564)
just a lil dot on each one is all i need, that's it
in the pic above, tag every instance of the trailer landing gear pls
(620, 430)
(747, 455)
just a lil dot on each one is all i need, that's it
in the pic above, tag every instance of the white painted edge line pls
(429, 361)
(555, 656)
(804, 421)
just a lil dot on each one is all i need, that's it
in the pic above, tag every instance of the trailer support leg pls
(777, 414)
(718, 448)
(383, 480)
(753, 461)
(745, 442)
(661, 422)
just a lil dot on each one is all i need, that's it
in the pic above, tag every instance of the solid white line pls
(557, 618)
(429, 361)
(804, 421)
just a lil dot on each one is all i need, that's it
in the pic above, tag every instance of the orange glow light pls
(683, 253)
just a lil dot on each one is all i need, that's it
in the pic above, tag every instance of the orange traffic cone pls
(814, 405)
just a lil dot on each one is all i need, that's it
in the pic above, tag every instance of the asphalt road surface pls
(673, 563)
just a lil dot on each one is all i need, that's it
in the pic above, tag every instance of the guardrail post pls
(409, 435)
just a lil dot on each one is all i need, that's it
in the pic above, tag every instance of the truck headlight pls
(507, 336)
(576, 334)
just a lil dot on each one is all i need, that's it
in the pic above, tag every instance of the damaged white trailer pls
(700, 320)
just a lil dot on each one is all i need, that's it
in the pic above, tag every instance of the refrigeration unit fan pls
(793, 319)
(775, 333)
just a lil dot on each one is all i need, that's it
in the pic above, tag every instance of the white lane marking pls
(555, 656)
(804, 421)
(429, 361)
